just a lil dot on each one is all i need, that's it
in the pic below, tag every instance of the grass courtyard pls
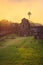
(21, 51)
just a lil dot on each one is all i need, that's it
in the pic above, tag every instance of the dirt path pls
(18, 41)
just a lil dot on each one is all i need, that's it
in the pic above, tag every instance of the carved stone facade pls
(37, 32)
(25, 27)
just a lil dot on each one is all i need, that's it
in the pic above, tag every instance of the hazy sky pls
(15, 10)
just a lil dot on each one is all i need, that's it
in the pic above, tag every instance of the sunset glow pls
(15, 10)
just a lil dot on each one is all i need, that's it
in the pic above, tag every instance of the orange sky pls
(15, 10)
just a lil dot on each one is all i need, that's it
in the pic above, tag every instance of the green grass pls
(21, 51)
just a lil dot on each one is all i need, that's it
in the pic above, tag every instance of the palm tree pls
(29, 13)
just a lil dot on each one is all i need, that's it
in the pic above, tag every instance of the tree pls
(29, 13)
